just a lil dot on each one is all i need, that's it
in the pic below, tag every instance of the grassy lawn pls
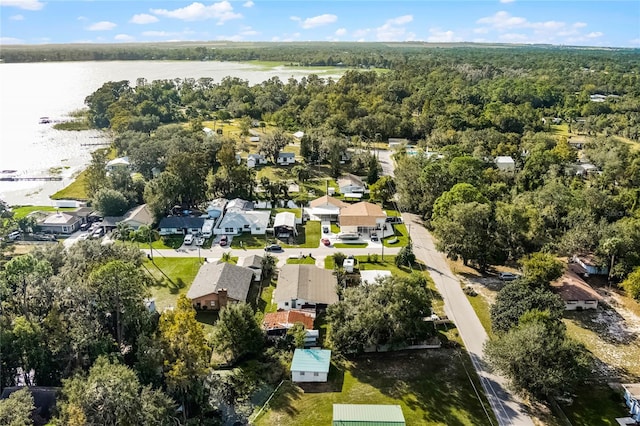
(351, 245)
(401, 234)
(595, 404)
(264, 303)
(308, 235)
(432, 388)
(294, 211)
(374, 262)
(304, 261)
(76, 190)
(23, 211)
(561, 130)
(635, 146)
(249, 241)
(173, 276)
(335, 228)
(274, 173)
(482, 308)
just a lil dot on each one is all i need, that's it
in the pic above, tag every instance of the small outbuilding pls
(284, 225)
(505, 163)
(367, 415)
(310, 365)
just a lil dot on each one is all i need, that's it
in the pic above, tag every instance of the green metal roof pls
(367, 414)
(313, 360)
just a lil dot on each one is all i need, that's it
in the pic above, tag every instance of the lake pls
(34, 90)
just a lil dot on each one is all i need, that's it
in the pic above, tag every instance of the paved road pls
(384, 157)
(507, 407)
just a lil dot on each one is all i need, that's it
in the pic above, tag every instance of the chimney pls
(222, 298)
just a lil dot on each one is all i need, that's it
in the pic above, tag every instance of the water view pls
(31, 91)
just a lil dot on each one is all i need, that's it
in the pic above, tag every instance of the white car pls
(84, 236)
(188, 239)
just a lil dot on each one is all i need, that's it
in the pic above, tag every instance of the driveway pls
(386, 162)
(508, 408)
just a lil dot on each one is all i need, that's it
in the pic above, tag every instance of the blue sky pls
(582, 23)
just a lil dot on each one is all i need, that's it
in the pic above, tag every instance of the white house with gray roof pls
(301, 286)
(237, 222)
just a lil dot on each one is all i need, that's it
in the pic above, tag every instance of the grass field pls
(483, 311)
(432, 387)
(402, 235)
(308, 260)
(76, 190)
(308, 236)
(173, 277)
(23, 211)
(596, 404)
(351, 245)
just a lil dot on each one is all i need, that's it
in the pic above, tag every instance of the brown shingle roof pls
(286, 319)
(307, 282)
(213, 277)
(323, 201)
(570, 286)
(362, 213)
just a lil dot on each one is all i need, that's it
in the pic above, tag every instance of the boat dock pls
(15, 178)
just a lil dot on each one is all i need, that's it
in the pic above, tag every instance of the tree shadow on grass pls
(606, 322)
(334, 382)
(434, 382)
(285, 397)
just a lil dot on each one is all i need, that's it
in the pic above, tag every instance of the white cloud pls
(82, 18)
(594, 34)
(635, 42)
(341, 31)
(438, 36)
(400, 20)
(503, 20)
(124, 37)
(102, 26)
(221, 12)
(23, 4)
(392, 30)
(10, 40)
(295, 18)
(17, 18)
(318, 21)
(579, 25)
(143, 18)
(506, 1)
(158, 34)
(248, 4)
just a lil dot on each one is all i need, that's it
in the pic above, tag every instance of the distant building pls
(286, 158)
(121, 163)
(60, 223)
(505, 163)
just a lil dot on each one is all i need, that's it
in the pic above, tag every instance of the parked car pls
(326, 242)
(199, 241)
(393, 219)
(224, 240)
(188, 239)
(84, 236)
(507, 276)
(98, 233)
(85, 226)
(325, 229)
(39, 236)
(273, 247)
(374, 237)
(14, 235)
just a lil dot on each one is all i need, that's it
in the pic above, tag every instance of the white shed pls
(310, 365)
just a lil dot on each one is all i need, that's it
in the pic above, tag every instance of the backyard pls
(431, 386)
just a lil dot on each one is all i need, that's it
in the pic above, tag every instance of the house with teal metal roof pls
(310, 365)
(367, 415)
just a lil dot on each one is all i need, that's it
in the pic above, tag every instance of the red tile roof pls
(286, 319)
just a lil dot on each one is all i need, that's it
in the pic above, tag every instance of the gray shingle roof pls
(213, 277)
(307, 282)
(181, 222)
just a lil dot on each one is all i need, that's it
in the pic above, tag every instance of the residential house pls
(505, 163)
(632, 399)
(597, 98)
(215, 209)
(590, 265)
(351, 184)
(299, 134)
(253, 262)
(577, 143)
(84, 213)
(254, 139)
(276, 324)
(302, 286)
(218, 284)
(284, 225)
(238, 204)
(310, 365)
(585, 169)
(373, 276)
(60, 223)
(286, 158)
(362, 218)
(325, 209)
(134, 218)
(173, 225)
(236, 222)
(44, 402)
(121, 163)
(254, 160)
(574, 291)
(367, 415)
(397, 142)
